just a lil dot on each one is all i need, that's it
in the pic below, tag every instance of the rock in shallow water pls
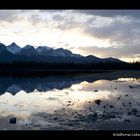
(96, 90)
(13, 120)
(98, 102)
(119, 97)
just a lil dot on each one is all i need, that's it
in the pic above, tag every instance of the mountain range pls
(13, 52)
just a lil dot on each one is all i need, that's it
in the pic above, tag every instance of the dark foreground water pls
(103, 101)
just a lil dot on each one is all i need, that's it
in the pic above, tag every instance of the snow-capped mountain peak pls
(1, 44)
(14, 48)
(28, 50)
(28, 47)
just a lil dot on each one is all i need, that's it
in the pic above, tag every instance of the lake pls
(98, 101)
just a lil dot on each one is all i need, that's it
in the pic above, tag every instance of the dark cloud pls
(9, 15)
(66, 24)
(58, 17)
(124, 30)
(111, 13)
(117, 31)
(124, 51)
(55, 20)
(52, 10)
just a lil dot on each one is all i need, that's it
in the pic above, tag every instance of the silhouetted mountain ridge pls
(13, 52)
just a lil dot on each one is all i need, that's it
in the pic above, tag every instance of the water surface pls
(71, 102)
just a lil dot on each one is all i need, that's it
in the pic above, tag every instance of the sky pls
(103, 33)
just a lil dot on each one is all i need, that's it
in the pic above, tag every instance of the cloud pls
(124, 51)
(118, 31)
(120, 27)
(9, 15)
(35, 19)
(111, 13)
(52, 11)
(58, 17)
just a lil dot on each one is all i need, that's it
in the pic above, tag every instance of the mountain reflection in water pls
(14, 85)
(75, 102)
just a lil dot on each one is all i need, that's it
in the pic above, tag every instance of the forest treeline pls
(34, 69)
(64, 66)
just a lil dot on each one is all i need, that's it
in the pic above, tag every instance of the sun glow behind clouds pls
(24, 33)
(35, 27)
(73, 30)
(75, 39)
(131, 60)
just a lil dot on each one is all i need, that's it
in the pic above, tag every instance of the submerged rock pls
(129, 113)
(104, 106)
(119, 97)
(126, 120)
(134, 110)
(111, 106)
(123, 104)
(55, 118)
(13, 120)
(92, 117)
(131, 87)
(137, 115)
(108, 116)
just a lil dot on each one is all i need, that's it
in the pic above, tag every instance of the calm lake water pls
(101, 101)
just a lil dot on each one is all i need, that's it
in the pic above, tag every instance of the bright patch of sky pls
(96, 32)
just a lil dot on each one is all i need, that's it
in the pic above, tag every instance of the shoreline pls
(42, 72)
